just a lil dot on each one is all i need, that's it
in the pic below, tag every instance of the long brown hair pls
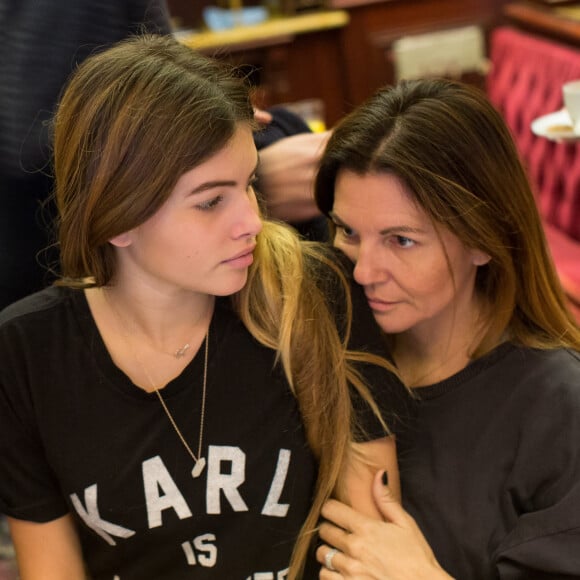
(132, 120)
(453, 152)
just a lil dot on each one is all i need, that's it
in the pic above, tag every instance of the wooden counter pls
(287, 59)
(561, 23)
(269, 32)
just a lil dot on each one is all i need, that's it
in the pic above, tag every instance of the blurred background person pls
(42, 42)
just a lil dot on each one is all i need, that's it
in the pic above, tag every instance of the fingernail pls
(385, 478)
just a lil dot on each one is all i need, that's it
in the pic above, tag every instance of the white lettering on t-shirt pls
(281, 575)
(272, 507)
(207, 551)
(226, 482)
(156, 478)
(92, 518)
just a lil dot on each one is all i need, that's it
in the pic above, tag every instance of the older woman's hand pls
(360, 547)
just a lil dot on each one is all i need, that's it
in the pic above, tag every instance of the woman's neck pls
(425, 356)
(160, 318)
(149, 336)
(419, 368)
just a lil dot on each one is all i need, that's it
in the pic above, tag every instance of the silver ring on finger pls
(328, 559)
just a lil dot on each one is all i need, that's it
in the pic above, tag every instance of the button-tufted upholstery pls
(525, 82)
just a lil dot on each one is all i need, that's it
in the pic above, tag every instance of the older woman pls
(430, 201)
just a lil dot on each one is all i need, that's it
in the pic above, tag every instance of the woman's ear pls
(480, 258)
(122, 240)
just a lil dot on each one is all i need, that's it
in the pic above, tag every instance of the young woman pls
(429, 199)
(181, 404)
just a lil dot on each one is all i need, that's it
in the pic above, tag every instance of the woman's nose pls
(368, 268)
(249, 221)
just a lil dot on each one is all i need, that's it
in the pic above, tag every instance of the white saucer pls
(556, 127)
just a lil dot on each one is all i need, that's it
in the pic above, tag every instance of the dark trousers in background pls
(27, 252)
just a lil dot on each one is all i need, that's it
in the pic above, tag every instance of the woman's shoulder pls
(556, 363)
(38, 307)
(542, 379)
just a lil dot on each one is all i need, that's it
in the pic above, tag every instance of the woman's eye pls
(209, 204)
(345, 232)
(404, 242)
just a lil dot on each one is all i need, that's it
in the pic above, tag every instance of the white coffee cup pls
(571, 95)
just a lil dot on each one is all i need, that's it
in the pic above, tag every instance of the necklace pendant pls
(198, 467)
(180, 352)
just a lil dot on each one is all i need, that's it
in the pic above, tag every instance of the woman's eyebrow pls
(391, 230)
(402, 230)
(211, 185)
(219, 183)
(336, 219)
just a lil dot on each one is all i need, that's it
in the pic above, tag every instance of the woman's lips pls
(243, 259)
(380, 305)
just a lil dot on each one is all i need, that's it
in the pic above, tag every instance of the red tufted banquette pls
(525, 82)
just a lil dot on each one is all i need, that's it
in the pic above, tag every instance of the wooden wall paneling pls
(187, 13)
(365, 42)
(344, 65)
(316, 70)
(543, 20)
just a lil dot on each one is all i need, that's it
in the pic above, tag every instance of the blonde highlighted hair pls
(285, 306)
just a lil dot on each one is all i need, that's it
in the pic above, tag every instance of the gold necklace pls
(199, 461)
(180, 352)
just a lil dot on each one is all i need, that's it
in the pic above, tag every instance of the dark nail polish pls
(385, 478)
